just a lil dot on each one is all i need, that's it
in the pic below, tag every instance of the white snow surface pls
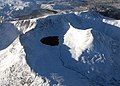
(87, 54)
(14, 70)
(78, 41)
(46, 6)
(112, 22)
(14, 4)
(11, 55)
(25, 25)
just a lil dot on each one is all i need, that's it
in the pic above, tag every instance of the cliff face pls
(25, 25)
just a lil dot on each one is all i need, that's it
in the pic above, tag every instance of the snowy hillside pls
(10, 9)
(87, 46)
(46, 47)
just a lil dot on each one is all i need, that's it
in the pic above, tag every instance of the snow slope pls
(88, 48)
(87, 54)
(25, 25)
(8, 33)
(10, 9)
(77, 46)
(48, 58)
(14, 71)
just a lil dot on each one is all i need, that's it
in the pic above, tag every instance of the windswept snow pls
(25, 25)
(46, 6)
(87, 54)
(84, 52)
(14, 4)
(112, 22)
(11, 55)
(14, 71)
(78, 41)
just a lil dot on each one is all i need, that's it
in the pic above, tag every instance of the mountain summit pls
(49, 47)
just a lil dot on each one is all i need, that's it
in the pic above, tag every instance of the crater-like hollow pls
(50, 40)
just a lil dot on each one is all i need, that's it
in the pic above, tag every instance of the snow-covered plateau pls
(74, 49)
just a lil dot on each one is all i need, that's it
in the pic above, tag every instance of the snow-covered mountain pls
(42, 46)
(10, 9)
(63, 50)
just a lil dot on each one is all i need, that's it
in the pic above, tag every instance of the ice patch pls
(112, 22)
(78, 41)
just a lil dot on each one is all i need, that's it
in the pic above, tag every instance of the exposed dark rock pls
(109, 11)
(51, 40)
